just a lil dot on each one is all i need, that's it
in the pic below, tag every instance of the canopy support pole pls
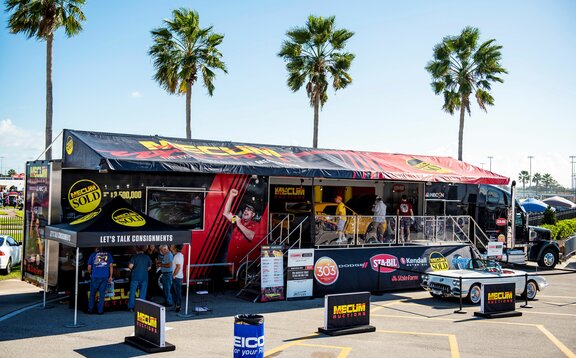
(76, 324)
(187, 283)
(46, 261)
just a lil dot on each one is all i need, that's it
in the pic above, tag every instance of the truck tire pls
(548, 259)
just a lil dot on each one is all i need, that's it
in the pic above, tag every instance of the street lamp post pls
(530, 158)
(482, 164)
(573, 178)
(1, 169)
(490, 158)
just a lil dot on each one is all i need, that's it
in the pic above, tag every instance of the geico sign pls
(248, 342)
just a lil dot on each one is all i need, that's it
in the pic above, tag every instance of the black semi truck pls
(491, 207)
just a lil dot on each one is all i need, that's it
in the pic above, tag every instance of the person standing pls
(166, 267)
(139, 265)
(341, 220)
(406, 213)
(379, 210)
(177, 277)
(100, 270)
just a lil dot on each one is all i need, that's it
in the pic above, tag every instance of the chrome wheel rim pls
(475, 294)
(531, 290)
(549, 259)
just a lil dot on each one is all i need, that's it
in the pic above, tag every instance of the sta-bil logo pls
(84, 196)
(128, 217)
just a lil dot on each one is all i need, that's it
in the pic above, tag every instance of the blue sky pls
(103, 80)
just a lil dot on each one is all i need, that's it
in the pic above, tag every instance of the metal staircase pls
(251, 269)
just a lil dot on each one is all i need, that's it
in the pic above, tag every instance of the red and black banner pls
(124, 152)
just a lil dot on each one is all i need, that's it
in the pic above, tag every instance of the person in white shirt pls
(379, 210)
(177, 277)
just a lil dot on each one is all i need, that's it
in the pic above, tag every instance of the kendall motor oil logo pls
(384, 263)
(84, 196)
(69, 145)
(438, 262)
(427, 167)
(86, 217)
(128, 217)
(326, 271)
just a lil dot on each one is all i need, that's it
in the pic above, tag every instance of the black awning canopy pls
(116, 224)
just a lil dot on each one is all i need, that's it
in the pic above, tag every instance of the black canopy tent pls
(116, 224)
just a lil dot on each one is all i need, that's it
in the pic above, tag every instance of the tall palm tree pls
(40, 19)
(312, 54)
(182, 51)
(536, 179)
(463, 67)
(524, 177)
(547, 180)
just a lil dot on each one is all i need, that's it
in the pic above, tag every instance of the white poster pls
(495, 249)
(300, 273)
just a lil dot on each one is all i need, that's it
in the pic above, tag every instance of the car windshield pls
(486, 265)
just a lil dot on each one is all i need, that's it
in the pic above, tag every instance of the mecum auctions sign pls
(346, 310)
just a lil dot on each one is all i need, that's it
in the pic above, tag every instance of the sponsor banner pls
(150, 322)
(272, 273)
(346, 310)
(36, 213)
(497, 298)
(381, 268)
(300, 273)
(494, 250)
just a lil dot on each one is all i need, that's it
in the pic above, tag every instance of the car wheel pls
(549, 258)
(474, 294)
(531, 290)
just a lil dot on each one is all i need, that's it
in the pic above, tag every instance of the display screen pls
(181, 208)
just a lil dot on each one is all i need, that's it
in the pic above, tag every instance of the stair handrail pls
(265, 238)
(250, 264)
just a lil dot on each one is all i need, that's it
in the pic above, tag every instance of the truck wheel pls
(549, 258)
(475, 294)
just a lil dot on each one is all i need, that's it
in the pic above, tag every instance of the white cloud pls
(18, 145)
(136, 94)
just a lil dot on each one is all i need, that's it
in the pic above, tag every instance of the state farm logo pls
(410, 262)
(384, 263)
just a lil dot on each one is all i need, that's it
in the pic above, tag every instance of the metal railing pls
(12, 226)
(359, 230)
(281, 241)
(569, 247)
(536, 219)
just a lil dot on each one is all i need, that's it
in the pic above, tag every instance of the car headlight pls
(424, 277)
(456, 283)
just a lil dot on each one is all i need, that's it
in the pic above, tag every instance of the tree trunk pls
(49, 100)
(461, 129)
(316, 110)
(188, 109)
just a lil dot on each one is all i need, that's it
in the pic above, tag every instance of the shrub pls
(550, 216)
(563, 229)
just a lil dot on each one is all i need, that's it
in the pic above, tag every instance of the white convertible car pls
(474, 274)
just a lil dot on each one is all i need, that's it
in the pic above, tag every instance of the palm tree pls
(524, 178)
(536, 179)
(462, 67)
(312, 53)
(182, 51)
(547, 180)
(40, 19)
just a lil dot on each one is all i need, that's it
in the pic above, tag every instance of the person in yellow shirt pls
(341, 220)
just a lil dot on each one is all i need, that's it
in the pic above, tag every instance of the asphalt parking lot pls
(408, 324)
